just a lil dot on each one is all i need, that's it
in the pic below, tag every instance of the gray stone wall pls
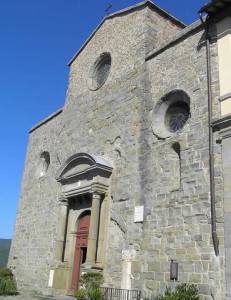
(177, 223)
(115, 122)
(113, 269)
(35, 227)
(92, 122)
(158, 29)
(127, 38)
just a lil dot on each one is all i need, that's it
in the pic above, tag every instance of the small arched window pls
(174, 161)
(44, 163)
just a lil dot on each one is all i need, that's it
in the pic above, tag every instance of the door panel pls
(81, 242)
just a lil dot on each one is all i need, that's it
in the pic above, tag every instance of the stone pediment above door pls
(83, 171)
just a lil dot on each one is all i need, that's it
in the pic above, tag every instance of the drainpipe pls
(211, 159)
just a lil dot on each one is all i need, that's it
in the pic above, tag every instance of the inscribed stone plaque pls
(139, 214)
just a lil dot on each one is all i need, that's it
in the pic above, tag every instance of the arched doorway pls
(85, 183)
(80, 253)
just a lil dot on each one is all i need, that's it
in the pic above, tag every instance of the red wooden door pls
(80, 249)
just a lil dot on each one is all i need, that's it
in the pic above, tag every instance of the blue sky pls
(37, 40)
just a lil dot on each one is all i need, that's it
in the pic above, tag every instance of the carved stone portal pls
(84, 182)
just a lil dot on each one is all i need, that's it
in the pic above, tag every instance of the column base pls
(99, 265)
(91, 266)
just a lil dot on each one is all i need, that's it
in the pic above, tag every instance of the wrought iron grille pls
(120, 294)
(103, 71)
(176, 116)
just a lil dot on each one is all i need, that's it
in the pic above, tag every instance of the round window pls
(176, 116)
(170, 113)
(99, 71)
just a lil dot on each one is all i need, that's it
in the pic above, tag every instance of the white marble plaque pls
(139, 214)
(51, 277)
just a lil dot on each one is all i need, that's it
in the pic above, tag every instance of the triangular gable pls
(129, 10)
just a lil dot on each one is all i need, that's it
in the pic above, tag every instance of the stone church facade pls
(134, 170)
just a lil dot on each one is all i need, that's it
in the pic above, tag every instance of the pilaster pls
(62, 224)
(94, 229)
(224, 126)
(102, 226)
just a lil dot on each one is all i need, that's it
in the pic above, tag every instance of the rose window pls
(176, 116)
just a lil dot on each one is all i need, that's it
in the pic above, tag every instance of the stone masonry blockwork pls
(115, 123)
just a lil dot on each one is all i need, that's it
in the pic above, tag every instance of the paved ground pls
(34, 297)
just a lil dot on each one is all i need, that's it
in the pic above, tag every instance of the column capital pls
(128, 255)
(63, 200)
(96, 194)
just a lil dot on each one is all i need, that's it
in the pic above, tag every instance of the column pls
(94, 229)
(127, 258)
(102, 225)
(62, 226)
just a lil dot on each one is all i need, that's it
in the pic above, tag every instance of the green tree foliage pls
(91, 280)
(80, 294)
(7, 282)
(95, 294)
(90, 286)
(184, 291)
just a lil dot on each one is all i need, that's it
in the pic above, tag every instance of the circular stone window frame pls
(91, 81)
(158, 123)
